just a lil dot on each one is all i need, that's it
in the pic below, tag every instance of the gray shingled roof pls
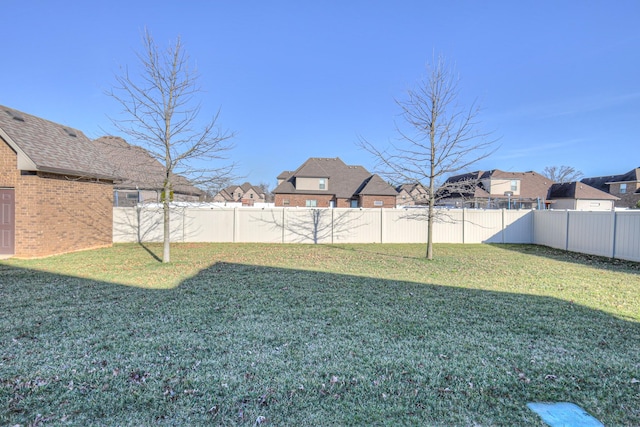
(602, 182)
(344, 181)
(376, 186)
(46, 146)
(532, 184)
(137, 168)
(578, 191)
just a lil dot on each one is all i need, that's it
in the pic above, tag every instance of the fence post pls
(566, 241)
(332, 224)
(613, 235)
(463, 226)
(283, 225)
(235, 224)
(381, 225)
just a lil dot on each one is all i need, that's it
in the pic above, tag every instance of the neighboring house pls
(142, 176)
(580, 196)
(55, 188)
(625, 186)
(496, 189)
(246, 194)
(329, 182)
(412, 195)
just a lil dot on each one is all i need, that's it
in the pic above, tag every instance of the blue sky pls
(558, 81)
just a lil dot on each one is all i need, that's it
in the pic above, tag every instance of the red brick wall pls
(8, 166)
(300, 200)
(369, 201)
(56, 214)
(628, 199)
(324, 201)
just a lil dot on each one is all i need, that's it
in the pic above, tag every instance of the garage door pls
(7, 221)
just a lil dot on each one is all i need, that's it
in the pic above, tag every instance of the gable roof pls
(376, 186)
(345, 181)
(410, 187)
(602, 182)
(532, 184)
(46, 146)
(578, 191)
(246, 187)
(137, 168)
(225, 195)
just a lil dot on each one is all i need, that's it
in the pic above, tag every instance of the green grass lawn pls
(317, 335)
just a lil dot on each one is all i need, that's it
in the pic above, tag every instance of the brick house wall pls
(629, 198)
(324, 201)
(370, 201)
(300, 200)
(56, 214)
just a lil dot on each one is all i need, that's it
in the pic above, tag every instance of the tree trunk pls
(166, 251)
(430, 214)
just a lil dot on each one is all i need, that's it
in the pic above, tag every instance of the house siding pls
(56, 214)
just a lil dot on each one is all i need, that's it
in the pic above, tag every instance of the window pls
(514, 185)
(251, 196)
(311, 203)
(322, 184)
(623, 188)
(285, 202)
(354, 203)
(378, 203)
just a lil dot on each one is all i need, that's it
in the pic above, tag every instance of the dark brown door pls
(7, 221)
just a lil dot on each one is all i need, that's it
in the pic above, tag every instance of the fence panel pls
(599, 233)
(258, 225)
(357, 226)
(518, 226)
(550, 229)
(628, 235)
(448, 226)
(591, 233)
(307, 226)
(404, 226)
(483, 226)
(125, 225)
(209, 225)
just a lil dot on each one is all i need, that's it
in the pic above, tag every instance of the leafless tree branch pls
(437, 138)
(160, 111)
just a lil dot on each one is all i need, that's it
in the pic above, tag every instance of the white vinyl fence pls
(609, 234)
(600, 233)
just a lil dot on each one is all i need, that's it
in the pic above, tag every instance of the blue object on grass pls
(564, 414)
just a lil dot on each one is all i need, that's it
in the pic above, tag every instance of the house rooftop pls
(602, 182)
(344, 180)
(137, 168)
(46, 146)
(578, 190)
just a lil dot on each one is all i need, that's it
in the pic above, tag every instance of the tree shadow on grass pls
(237, 342)
(573, 257)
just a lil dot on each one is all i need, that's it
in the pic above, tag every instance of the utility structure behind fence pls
(609, 234)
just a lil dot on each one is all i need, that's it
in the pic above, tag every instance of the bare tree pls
(265, 188)
(562, 173)
(160, 112)
(437, 138)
